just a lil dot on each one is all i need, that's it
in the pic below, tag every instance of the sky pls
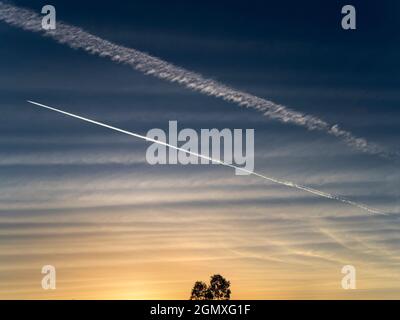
(84, 199)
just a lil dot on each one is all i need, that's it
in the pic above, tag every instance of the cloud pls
(77, 38)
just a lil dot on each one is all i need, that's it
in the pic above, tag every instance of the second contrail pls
(274, 180)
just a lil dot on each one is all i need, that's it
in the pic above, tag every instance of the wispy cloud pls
(270, 179)
(77, 38)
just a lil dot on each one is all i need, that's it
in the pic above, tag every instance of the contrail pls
(274, 180)
(77, 38)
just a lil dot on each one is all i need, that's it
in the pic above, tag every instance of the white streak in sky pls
(274, 180)
(77, 38)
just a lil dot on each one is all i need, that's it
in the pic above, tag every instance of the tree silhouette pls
(199, 291)
(217, 290)
(219, 287)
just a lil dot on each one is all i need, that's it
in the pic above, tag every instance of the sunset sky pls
(84, 199)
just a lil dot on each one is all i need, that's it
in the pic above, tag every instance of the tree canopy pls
(218, 289)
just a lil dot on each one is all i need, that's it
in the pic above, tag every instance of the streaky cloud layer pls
(77, 38)
(274, 180)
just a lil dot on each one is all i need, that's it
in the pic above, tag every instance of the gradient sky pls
(83, 198)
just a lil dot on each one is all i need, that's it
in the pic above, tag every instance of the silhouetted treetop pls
(218, 289)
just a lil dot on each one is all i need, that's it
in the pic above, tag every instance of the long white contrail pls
(77, 38)
(274, 180)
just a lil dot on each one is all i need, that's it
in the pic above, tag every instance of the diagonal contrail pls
(274, 180)
(77, 38)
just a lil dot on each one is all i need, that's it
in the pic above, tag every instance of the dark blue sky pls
(292, 53)
(58, 170)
